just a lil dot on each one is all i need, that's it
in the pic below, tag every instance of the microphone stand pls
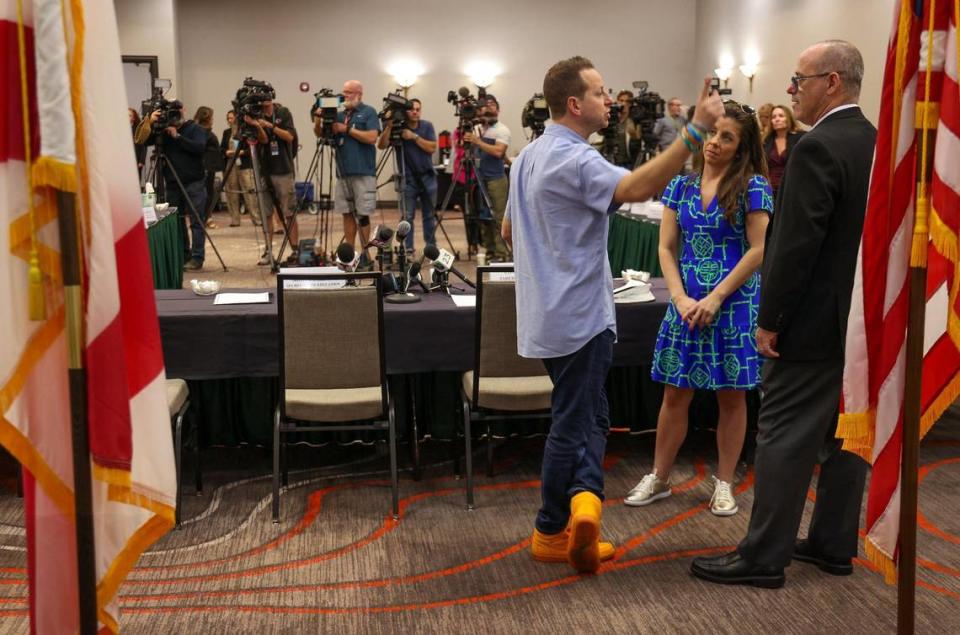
(403, 297)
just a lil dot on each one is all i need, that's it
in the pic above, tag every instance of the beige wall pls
(325, 43)
(780, 29)
(149, 27)
(207, 47)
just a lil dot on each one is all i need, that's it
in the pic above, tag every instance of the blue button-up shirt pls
(561, 193)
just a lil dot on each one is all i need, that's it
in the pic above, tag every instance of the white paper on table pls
(242, 298)
(463, 301)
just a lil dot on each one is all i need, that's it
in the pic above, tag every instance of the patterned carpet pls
(337, 563)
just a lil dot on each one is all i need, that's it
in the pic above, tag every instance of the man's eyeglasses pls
(796, 79)
(744, 108)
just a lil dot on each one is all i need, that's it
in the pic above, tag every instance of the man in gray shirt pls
(561, 196)
(668, 127)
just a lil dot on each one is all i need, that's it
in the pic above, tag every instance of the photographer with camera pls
(275, 131)
(419, 144)
(184, 142)
(668, 127)
(561, 198)
(356, 131)
(490, 145)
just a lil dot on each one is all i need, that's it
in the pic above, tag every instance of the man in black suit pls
(807, 279)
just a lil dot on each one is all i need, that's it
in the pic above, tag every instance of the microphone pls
(403, 228)
(464, 91)
(383, 236)
(347, 257)
(414, 274)
(443, 261)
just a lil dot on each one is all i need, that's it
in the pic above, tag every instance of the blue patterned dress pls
(724, 354)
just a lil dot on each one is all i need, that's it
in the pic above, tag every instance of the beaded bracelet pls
(694, 132)
(692, 145)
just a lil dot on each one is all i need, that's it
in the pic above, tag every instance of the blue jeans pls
(422, 188)
(573, 455)
(198, 196)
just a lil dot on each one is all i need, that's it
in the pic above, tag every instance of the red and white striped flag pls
(920, 85)
(62, 61)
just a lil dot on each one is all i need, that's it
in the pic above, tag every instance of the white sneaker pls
(722, 503)
(649, 489)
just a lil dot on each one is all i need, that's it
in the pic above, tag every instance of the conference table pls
(166, 251)
(229, 355)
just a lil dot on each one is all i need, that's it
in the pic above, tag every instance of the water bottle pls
(149, 197)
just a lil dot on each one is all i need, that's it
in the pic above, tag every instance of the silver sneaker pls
(649, 489)
(722, 503)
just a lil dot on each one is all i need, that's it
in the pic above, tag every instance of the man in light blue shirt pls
(561, 194)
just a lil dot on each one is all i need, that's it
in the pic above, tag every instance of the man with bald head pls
(356, 133)
(808, 269)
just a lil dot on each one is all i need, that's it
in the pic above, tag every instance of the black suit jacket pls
(792, 139)
(811, 247)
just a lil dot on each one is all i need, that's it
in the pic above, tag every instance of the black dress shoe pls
(805, 552)
(731, 568)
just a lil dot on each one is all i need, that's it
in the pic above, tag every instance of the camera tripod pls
(261, 187)
(323, 165)
(468, 164)
(159, 162)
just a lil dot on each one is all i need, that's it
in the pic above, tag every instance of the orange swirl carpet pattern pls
(338, 563)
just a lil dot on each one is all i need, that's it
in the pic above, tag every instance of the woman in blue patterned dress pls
(717, 219)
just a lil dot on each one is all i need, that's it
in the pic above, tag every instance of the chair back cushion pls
(331, 338)
(498, 334)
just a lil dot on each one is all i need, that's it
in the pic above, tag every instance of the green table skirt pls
(633, 245)
(166, 252)
(240, 411)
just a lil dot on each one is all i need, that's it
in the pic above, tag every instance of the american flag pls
(907, 224)
(64, 127)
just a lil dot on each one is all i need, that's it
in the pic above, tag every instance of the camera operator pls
(419, 144)
(356, 131)
(184, 142)
(276, 132)
(668, 127)
(491, 148)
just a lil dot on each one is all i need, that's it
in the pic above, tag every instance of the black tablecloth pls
(205, 341)
(228, 354)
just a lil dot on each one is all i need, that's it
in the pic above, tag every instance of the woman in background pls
(782, 135)
(212, 160)
(139, 150)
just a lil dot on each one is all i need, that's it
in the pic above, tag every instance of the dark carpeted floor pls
(338, 564)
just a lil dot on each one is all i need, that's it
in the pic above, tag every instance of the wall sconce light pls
(749, 70)
(723, 73)
(482, 73)
(406, 73)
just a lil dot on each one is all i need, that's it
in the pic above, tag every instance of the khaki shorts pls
(283, 186)
(356, 195)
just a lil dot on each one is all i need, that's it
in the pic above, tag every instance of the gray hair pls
(843, 58)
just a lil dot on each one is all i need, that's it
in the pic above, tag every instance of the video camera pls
(249, 102)
(467, 107)
(326, 106)
(646, 107)
(715, 85)
(171, 111)
(535, 114)
(395, 108)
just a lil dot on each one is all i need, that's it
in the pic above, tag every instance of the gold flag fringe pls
(880, 560)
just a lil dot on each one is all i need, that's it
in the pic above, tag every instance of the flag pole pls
(82, 491)
(926, 117)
